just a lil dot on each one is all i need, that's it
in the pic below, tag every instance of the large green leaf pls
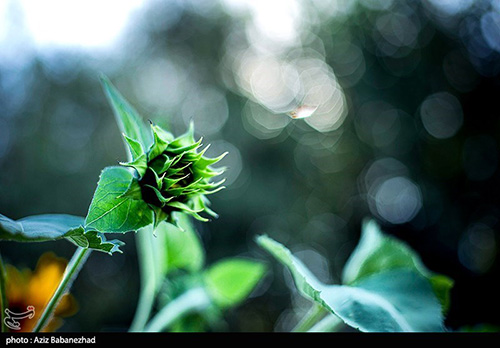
(111, 209)
(129, 121)
(377, 252)
(49, 227)
(183, 246)
(230, 281)
(392, 301)
(38, 228)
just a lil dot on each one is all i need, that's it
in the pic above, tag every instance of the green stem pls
(3, 292)
(315, 313)
(70, 274)
(329, 323)
(148, 279)
(191, 301)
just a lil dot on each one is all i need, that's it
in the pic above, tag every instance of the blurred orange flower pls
(27, 288)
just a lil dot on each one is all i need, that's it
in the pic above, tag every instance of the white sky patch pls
(80, 23)
(277, 20)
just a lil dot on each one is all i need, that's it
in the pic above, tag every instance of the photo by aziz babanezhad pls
(156, 193)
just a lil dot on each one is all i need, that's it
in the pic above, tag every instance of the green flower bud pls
(173, 175)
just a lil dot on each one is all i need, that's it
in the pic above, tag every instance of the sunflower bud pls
(173, 175)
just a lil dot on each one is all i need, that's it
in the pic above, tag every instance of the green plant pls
(386, 288)
(156, 193)
(165, 179)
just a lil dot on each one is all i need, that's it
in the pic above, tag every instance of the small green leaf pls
(390, 301)
(126, 116)
(111, 210)
(377, 252)
(230, 281)
(94, 240)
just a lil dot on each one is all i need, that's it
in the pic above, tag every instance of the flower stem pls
(3, 296)
(329, 323)
(315, 313)
(191, 301)
(147, 266)
(70, 274)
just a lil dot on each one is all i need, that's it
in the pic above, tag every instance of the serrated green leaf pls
(111, 210)
(126, 116)
(94, 240)
(377, 252)
(230, 281)
(391, 301)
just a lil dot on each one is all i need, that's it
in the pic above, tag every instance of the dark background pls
(407, 133)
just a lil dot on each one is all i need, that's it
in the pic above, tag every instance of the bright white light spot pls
(81, 23)
(274, 24)
(303, 111)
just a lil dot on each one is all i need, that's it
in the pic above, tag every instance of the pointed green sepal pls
(205, 162)
(159, 216)
(134, 147)
(186, 138)
(140, 164)
(160, 197)
(159, 143)
(183, 207)
(162, 163)
(168, 183)
(187, 148)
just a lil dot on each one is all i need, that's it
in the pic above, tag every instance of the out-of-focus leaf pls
(183, 247)
(129, 121)
(392, 301)
(377, 252)
(230, 281)
(111, 210)
(49, 227)
(38, 228)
